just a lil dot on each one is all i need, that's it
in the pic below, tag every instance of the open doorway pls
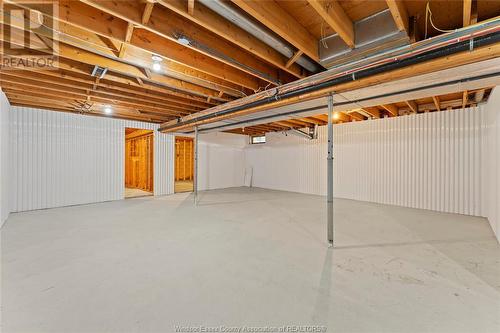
(139, 169)
(184, 164)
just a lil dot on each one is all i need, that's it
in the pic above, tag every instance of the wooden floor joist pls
(168, 59)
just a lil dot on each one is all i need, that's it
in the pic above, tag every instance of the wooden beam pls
(61, 91)
(95, 108)
(297, 122)
(105, 90)
(465, 99)
(356, 116)
(399, 13)
(412, 105)
(215, 23)
(333, 14)
(81, 73)
(175, 70)
(316, 121)
(414, 33)
(283, 24)
(467, 12)
(146, 14)
(129, 32)
(437, 103)
(474, 13)
(191, 7)
(128, 37)
(294, 58)
(84, 16)
(444, 105)
(452, 61)
(392, 109)
(341, 116)
(161, 36)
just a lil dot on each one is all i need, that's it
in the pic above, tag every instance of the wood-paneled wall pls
(184, 159)
(139, 160)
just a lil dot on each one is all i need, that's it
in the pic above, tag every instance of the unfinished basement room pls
(250, 166)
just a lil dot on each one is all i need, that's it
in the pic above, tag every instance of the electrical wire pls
(322, 29)
(428, 19)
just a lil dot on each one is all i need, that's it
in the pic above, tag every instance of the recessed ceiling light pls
(336, 115)
(183, 40)
(156, 58)
(108, 109)
(156, 66)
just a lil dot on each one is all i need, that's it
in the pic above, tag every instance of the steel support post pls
(329, 198)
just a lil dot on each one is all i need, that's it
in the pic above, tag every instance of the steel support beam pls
(195, 180)
(329, 197)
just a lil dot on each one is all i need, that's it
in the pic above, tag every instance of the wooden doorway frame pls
(184, 172)
(135, 138)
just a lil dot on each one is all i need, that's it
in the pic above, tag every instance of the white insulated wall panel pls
(289, 163)
(491, 174)
(4, 158)
(60, 159)
(221, 160)
(430, 161)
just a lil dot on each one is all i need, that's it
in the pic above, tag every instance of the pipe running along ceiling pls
(316, 86)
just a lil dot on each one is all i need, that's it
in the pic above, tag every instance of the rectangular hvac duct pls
(373, 34)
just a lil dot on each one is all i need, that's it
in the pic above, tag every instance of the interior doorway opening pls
(184, 164)
(139, 162)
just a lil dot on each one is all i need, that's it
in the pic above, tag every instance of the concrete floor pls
(247, 257)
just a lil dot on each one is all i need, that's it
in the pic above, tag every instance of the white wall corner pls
(4, 158)
(492, 175)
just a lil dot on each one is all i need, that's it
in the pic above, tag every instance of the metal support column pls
(329, 198)
(195, 178)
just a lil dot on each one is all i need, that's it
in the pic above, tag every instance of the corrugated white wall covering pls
(491, 174)
(221, 160)
(4, 158)
(289, 163)
(430, 161)
(60, 159)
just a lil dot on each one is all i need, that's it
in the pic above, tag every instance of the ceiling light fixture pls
(108, 109)
(156, 58)
(156, 66)
(183, 40)
(156, 62)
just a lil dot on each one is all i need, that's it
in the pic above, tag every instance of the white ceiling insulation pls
(369, 95)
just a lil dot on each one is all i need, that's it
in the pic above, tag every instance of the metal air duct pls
(233, 15)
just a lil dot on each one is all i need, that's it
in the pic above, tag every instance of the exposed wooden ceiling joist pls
(146, 13)
(27, 84)
(467, 9)
(412, 105)
(336, 18)
(455, 60)
(201, 86)
(270, 14)
(179, 41)
(211, 21)
(391, 109)
(80, 20)
(400, 14)
(439, 103)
